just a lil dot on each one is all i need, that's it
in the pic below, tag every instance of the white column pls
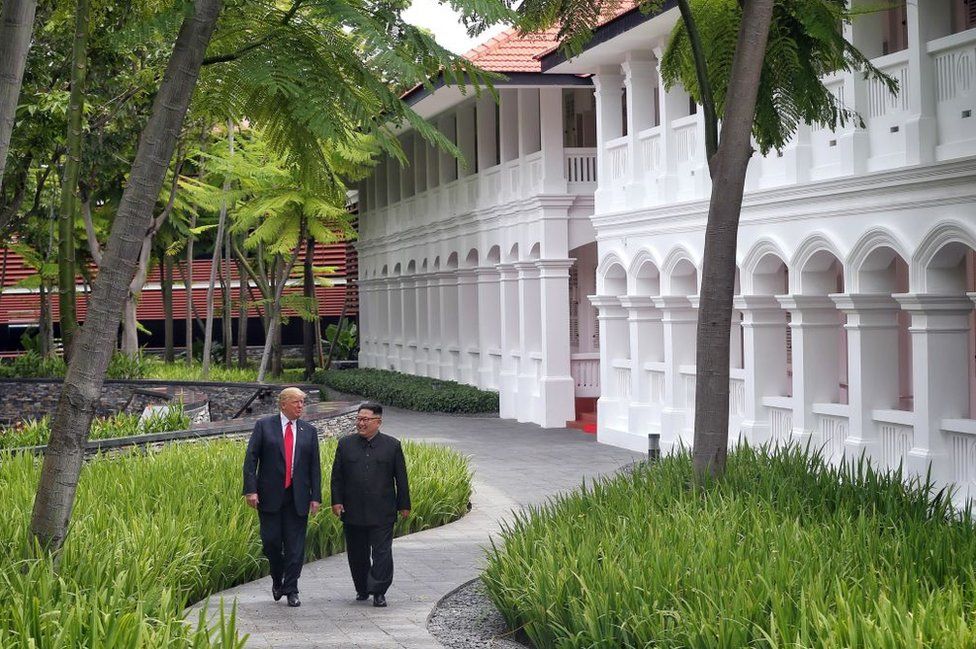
(921, 128)
(419, 164)
(447, 125)
(679, 323)
(609, 125)
(386, 345)
(557, 388)
(551, 140)
(814, 323)
(487, 144)
(940, 367)
(646, 345)
(435, 338)
(872, 366)
(466, 135)
(764, 360)
(396, 323)
(528, 121)
(489, 330)
(449, 326)
(529, 352)
(508, 123)
(468, 325)
(422, 324)
(508, 325)
(669, 109)
(640, 77)
(611, 407)
(409, 310)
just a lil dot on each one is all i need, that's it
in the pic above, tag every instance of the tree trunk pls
(16, 25)
(309, 327)
(72, 171)
(214, 261)
(718, 268)
(188, 286)
(43, 319)
(274, 315)
(86, 373)
(228, 319)
(241, 318)
(166, 286)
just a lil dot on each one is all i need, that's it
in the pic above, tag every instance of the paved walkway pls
(514, 465)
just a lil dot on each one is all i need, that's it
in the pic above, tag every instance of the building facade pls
(853, 325)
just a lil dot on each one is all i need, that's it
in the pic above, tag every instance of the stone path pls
(514, 465)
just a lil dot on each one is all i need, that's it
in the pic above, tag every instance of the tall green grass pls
(35, 432)
(785, 551)
(154, 532)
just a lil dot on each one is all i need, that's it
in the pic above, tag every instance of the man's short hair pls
(290, 393)
(376, 408)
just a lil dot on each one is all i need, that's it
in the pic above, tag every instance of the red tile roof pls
(509, 52)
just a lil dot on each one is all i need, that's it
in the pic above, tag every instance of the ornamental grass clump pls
(784, 551)
(153, 532)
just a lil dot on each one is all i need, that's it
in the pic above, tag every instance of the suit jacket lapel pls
(279, 437)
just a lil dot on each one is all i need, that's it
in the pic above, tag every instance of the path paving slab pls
(514, 465)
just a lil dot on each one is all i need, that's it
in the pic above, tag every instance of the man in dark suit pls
(283, 481)
(369, 487)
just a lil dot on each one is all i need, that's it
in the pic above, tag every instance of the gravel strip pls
(466, 618)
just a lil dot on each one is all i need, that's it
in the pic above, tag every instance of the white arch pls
(871, 241)
(671, 263)
(755, 259)
(642, 260)
(610, 262)
(815, 243)
(943, 234)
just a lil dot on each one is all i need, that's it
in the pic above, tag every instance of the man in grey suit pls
(369, 487)
(283, 481)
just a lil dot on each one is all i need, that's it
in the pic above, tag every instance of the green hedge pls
(783, 552)
(408, 391)
(154, 532)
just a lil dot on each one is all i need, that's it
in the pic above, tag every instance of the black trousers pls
(283, 538)
(370, 552)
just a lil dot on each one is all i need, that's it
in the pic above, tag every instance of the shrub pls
(31, 365)
(411, 392)
(35, 432)
(784, 552)
(155, 532)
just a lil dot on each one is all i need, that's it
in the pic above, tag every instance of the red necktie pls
(289, 446)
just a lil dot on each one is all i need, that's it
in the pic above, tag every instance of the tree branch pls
(704, 85)
(233, 56)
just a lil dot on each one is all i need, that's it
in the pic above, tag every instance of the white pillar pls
(611, 407)
(940, 367)
(551, 141)
(529, 353)
(422, 324)
(467, 139)
(528, 121)
(508, 325)
(609, 125)
(679, 323)
(409, 310)
(925, 23)
(764, 360)
(419, 164)
(435, 339)
(646, 345)
(640, 77)
(557, 388)
(815, 325)
(447, 125)
(468, 325)
(487, 142)
(489, 330)
(508, 123)
(449, 326)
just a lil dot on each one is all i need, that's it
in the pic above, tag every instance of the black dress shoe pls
(276, 592)
(293, 600)
(362, 597)
(379, 600)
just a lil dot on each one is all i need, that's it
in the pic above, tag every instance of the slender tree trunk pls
(228, 319)
(241, 317)
(335, 339)
(188, 286)
(718, 269)
(16, 25)
(43, 318)
(309, 327)
(72, 171)
(166, 286)
(214, 261)
(274, 313)
(86, 372)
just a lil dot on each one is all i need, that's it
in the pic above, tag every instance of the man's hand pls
(404, 513)
(251, 500)
(313, 507)
(338, 509)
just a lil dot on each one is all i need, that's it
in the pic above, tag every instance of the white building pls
(856, 277)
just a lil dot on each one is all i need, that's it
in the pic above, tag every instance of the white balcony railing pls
(655, 380)
(585, 370)
(833, 426)
(617, 159)
(961, 441)
(621, 374)
(737, 392)
(580, 165)
(780, 417)
(896, 436)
